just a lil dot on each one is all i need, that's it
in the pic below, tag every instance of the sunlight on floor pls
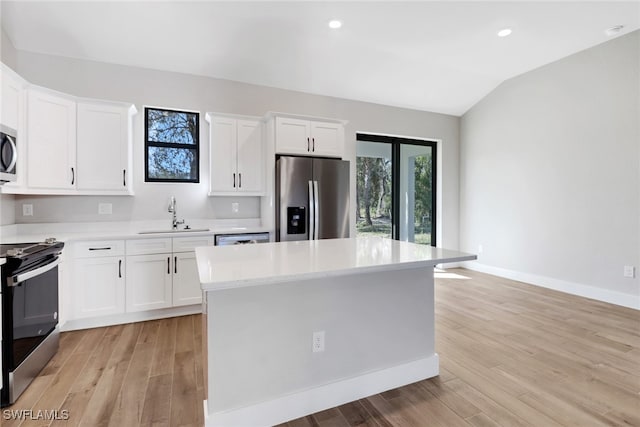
(439, 273)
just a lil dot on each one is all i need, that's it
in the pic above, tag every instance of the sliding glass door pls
(396, 188)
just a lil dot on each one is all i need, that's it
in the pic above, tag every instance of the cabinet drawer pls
(98, 248)
(148, 246)
(188, 244)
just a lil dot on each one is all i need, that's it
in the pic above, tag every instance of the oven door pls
(32, 302)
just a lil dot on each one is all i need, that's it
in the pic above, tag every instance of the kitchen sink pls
(184, 230)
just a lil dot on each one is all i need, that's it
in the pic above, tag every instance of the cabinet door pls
(98, 287)
(11, 99)
(186, 283)
(102, 147)
(51, 144)
(223, 155)
(148, 282)
(293, 136)
(327, 139)
(250, 160)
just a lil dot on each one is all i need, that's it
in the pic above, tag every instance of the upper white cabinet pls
(309, 137)
(236, 155)
(12, 87)
(72, 145)
(51, 141)
(104, 147)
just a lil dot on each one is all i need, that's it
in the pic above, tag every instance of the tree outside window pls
(171, 146)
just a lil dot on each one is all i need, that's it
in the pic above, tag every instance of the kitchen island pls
(292, 328)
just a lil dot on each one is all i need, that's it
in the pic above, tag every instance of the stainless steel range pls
(29, 294)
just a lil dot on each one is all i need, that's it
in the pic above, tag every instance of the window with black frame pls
(171, 145)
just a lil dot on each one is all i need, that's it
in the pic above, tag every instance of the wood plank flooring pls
(511, 354)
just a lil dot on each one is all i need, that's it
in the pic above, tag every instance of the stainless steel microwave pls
(8, 154)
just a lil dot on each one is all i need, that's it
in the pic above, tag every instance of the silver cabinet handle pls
(316, 209)
(33, 273)
(312, 215)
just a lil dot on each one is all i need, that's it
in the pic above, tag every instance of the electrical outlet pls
(629, 271)
(27, 210)
(235, 207)
(318, 342)
(105, 208)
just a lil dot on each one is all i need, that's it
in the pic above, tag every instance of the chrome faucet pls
(173, 210)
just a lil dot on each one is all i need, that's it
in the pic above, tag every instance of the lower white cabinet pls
(99, 287)
(186, 284)
(127, 276)
(149, 282)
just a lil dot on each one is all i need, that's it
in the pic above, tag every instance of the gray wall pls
(550, 170)
(173, 90)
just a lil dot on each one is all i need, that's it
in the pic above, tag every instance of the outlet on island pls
(235, 207)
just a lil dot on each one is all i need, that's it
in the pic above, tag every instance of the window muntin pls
(171, 145)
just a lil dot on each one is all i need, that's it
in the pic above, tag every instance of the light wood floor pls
(510, 355)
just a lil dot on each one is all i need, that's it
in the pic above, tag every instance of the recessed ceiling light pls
(613, 30)
(504, 32)
(335, 24)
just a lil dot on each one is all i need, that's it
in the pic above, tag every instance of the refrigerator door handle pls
(316, 221)
(312, 212)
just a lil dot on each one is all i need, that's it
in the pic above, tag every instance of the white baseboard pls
(592, 292)
(119, 319)
(323, 397)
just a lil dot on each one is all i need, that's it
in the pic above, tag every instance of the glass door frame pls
(396, 143)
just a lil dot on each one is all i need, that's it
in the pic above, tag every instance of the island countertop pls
(224, 267)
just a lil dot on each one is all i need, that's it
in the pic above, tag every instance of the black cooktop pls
(21, 256)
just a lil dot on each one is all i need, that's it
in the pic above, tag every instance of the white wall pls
(550, 174)
(156, 88)
(7, 202)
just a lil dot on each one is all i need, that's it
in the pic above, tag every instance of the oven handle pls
(33, 273)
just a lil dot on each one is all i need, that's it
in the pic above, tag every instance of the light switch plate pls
(105, 208)
(27, 210)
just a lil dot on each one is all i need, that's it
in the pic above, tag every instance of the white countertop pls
(66, 232)
(224, 267)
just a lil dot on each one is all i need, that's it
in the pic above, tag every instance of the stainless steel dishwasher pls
(241, 239)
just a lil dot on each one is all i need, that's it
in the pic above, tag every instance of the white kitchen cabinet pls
(51, 140)
(104, 146)
(98, 287)
(149, 282)
(236, 155)
(97, 282)
(186, 284)
(309, 137)
(12, 87)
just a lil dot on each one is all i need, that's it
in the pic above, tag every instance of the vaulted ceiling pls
(440, 56)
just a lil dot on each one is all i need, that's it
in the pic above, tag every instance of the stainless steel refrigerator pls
(312, 198)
